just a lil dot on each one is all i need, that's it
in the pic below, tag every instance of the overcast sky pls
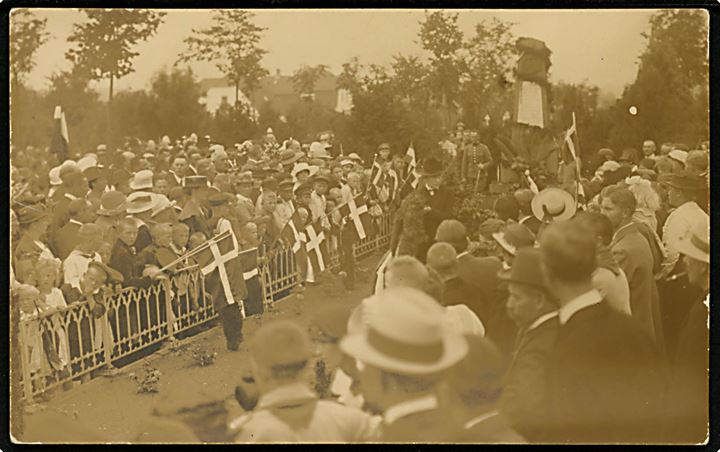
(597, 46)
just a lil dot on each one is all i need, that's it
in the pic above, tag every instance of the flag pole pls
(577, 159)
(197, 250)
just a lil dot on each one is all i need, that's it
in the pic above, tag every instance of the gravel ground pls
(112, 405)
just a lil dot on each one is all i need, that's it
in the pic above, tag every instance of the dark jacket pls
(604, 383)
(524, 388)
(414, 228)
(124, 259)
(64, 240)
(689, 401)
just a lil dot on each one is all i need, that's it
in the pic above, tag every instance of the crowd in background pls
(566, 319)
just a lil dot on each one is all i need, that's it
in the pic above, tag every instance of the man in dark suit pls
(535, 313)
(421, 212)
(64, 239)
(482, 274)
(604, 383)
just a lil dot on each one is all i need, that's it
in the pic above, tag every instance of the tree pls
(670, 91)
(490, 57)
(104, 43)
(232, 44)
(440, 34)
(176, 106)
(27, 34)
(305, 79)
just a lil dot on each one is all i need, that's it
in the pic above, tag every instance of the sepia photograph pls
(454, 226)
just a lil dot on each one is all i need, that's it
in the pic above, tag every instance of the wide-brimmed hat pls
(30, 213)
(141, 201)
(514, 237)
(344, 162)
(112, 203)
(93, 173)
(430, 167)
(54, 176)
(678, 156)
(299, 167)
(697, 243)
(554, 203)
(354, 156)
(318, 151)
(161, 203)
(289, 157)
(685, 181)
(322, 177)
(142, 180)
(86, 162)
(526, 269)
(405, 334)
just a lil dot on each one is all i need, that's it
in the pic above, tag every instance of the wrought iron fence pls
(80, 340)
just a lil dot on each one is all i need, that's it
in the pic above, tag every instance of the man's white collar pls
(408, 407)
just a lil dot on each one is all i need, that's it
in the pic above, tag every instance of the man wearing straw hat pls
(688, 405)
(404, 351)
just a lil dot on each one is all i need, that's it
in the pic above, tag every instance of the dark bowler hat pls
(269, 183)
(93, 173)
(320, 177)
(112, 203)
(526, 269)
(686, 181)
(305, 187)
(220, 199)
(195, 181)
(431, 167)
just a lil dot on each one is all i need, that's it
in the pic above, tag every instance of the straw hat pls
(54, 175)
(289, 157)
(405, 334)
(86, 162)
(513, 237)
(678, 156)
(112, 203)
(696, 244)
(141, 201)
(142, 180)
(553, 202)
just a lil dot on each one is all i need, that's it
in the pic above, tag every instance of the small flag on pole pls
(60, 143)
(316, 249)
(358, 218)
(223, 271)
(412, 178)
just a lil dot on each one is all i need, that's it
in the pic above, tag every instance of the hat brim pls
(500, 239)
(685, 247)
(294, 159)
(538, 202)
(134, 186)
(122, 208)
(672, 184)
(455, 348)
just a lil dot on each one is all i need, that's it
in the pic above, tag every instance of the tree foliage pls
(670, 91)
(27, 34)
(104, 42)
(232, 43)
(306, 77)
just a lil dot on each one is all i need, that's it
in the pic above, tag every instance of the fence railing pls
(79, 341)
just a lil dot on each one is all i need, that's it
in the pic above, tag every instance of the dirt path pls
(112, 407)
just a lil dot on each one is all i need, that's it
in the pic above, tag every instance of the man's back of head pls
(406, 271)
(442, 258)
(568, 252)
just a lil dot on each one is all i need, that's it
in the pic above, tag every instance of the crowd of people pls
(567, 318)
